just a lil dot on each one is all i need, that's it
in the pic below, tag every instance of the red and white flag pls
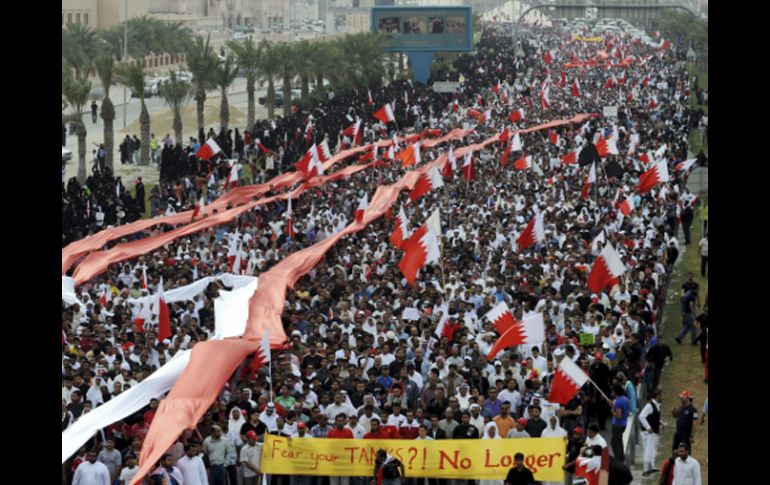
(447, 328)
(571, 157)
(391, 153)
(324, 153)
(370, 101)
(354, 132)
(496, 88)
(534, 233)
(401, 233)
(656, 175)
(516, 144)
(516, 115)
(164, 322)
(144, 277)
(506, 154)
(261, 147)
(627, 206)
(576, 88)
(421, 249)
(647, 157)
(531, 330)
(455, 106)
(200, 207)
(653, 102)
(385, 114)
(428, 181)
(451, 164)
(103, 298)
(685, 166)
(524, 162)
(590, 179)
(553, 137)
(208, 149)
(362, 206)
(410, 156)
(232, 180)
(501, 318)
(606, 270)
(468, 171)
(567, 381)
(290, 221)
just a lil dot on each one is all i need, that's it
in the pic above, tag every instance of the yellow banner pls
(470, 459)
(589, 39)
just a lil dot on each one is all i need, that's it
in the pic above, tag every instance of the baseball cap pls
(522, 421)
(578, 430)
(301, 425)
(251, 434)
(686, 393)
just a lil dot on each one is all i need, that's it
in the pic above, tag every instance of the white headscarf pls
(553, 432)
(489, 426)
(236, 424)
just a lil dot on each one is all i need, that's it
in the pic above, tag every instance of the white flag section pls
(124, 404)
(534, 327)
(434, 223)
(231, 311)
(188, 292)
(231, 314)
(266, 346)
(68, 292)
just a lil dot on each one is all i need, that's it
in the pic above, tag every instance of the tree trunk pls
(270, 99)
(250, 113)
(144, 133)
(80, 129)
(108, 115)
(305, 85)
(200, 99)
(224, 110)
(319, 83)
(286, 95)
(177, 125)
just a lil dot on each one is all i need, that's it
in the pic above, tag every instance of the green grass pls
(703, 80)
(686, 370)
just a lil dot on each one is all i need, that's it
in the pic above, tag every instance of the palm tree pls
(177, 93)
(104, 67)
(268, 65)
(79, 48)
(224, 75)
(303, 65)
(202, 62)
(132, 76)
(286, 55)
(76, 92)
(247, 56)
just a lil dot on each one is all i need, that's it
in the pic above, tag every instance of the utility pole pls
(125, 56)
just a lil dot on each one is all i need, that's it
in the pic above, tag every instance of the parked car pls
(295, 94)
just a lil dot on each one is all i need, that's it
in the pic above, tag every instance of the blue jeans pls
(218, 475)
(688, 325)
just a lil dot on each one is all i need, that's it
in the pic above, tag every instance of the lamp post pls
(125, 56)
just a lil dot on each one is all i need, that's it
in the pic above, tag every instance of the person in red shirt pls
(410, 429)
(339, 430)
(376, 432)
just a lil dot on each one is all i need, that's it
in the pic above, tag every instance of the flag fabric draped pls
(606, 270)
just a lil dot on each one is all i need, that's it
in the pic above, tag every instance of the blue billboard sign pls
(420, 29)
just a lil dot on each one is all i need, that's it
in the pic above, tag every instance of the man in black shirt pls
(703, 337)
(535, 425)
(465, 431)
(519, 475)
(685, 416)
(689, 304)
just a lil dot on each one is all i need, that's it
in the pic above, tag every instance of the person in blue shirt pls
(689, 304)
(385, 378)
(619, 421)
(493, 404)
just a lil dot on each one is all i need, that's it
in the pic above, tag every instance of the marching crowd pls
(364, 359)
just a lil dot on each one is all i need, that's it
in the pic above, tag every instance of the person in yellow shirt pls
(504, 421)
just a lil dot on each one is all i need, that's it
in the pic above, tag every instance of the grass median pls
(686, 371)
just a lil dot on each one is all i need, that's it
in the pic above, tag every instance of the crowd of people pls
(363, 358)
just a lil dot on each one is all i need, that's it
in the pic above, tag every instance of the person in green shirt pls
(154, 148)
(286, 400)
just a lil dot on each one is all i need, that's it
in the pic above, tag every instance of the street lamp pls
(125, 56)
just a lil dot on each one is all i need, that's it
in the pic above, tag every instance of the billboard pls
(425, 28)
